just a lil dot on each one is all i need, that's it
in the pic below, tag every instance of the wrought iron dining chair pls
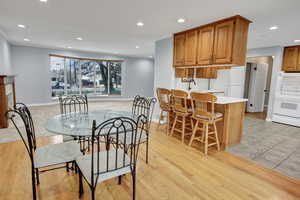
(40, 157)
(75, 104)
(106, 162)
(142, 106)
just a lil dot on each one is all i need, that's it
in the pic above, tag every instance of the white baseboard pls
(110, 99)
(42, 104)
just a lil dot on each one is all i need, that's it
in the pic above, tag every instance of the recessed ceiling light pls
(274, 28)
(26, 40)
(140, 24)
(43, 1)
(21, 26)
(180, 20)
(79, 38)
(137, 47)
(150, 56)
(296, 40)
(69, 47)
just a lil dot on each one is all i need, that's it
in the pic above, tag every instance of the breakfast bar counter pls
(230, 129)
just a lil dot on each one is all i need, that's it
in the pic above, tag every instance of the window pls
(115, 78)
(58, 76)
(84, 76)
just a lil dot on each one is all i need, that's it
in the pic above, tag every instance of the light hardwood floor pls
(175, 172)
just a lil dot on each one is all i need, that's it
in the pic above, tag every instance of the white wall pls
(163, 70)
(5, 59)
(163, 62)
(139, 77)
(33, 80)
(277, 52)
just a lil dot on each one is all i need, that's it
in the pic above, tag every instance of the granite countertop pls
(209, 91)
(220, 99)
(228, 100)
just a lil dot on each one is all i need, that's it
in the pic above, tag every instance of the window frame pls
(80, 59)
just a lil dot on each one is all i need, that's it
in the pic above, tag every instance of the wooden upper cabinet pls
(184, 73)
(190, 47)
(223, 42)
(207, 72)
(179, 49)
(290, 58)
(298, 63)
(205, 45)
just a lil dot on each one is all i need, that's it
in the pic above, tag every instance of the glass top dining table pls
(80, 124)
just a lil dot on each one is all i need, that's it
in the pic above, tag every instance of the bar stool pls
(203, 113)
(182, 113)
(164, 100)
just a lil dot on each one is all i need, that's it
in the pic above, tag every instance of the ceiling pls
(110, 25)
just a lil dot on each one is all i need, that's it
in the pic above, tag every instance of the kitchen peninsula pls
(230, 129)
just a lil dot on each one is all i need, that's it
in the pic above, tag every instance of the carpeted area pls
(41, 114)
(272, 145)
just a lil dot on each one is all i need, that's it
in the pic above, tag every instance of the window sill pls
(102, 97)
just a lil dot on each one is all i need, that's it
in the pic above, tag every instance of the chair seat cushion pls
(123, 165)
(216, 116)
(55, 154)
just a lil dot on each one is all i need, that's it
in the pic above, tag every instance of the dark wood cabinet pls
(7, 97)
(291, 59)
(190, 48)
(179, 49)
(205, 45)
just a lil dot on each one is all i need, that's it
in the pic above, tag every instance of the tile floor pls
(272, 145)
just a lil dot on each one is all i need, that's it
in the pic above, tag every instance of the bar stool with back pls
(164, 100)
(182, 113)
(203, 113)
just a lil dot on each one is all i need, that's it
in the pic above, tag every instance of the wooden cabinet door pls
(179, 72)
(184, 73)
(290, 58)
(209, 72)
(179, 49)
(191, 47)
(223, 42)
(190, 73)
(205, 45)
(298, 63)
